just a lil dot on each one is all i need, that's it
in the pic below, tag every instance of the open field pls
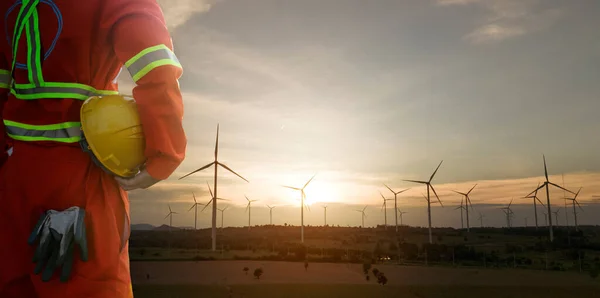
(287, 279)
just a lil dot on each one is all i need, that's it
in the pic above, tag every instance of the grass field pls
(290, 280)
(360, 291)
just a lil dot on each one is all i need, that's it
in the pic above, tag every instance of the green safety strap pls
(28, 8)
(67, 132)
(149, 59)
(4, 79)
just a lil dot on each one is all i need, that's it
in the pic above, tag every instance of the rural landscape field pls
(494, 262)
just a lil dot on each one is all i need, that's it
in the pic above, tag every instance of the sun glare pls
(321, 192)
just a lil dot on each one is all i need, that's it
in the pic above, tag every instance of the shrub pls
(258, 272)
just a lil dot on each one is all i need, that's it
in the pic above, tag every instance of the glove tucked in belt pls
(58, 233)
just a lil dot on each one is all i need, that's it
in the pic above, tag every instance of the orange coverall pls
(67, 51)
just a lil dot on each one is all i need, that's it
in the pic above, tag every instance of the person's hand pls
(141, 180)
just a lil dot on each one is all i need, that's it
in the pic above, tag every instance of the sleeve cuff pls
(161, 167)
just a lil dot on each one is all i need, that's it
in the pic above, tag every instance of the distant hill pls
(165, 228)
(142, 227)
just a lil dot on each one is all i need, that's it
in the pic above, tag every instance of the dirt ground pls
(230, 273)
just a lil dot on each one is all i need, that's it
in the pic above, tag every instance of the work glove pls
(58, 233)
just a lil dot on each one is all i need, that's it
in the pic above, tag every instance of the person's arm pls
(4, 89)
(142, 42)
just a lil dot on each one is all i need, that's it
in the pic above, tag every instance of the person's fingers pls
(38, 228)
(68, 265)
(141, 180)
(51, 265)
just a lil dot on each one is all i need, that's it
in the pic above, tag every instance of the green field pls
(360, 291)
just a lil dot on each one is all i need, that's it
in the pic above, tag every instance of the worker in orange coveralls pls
(66, 51)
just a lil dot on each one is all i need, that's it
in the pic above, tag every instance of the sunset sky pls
(363, 93)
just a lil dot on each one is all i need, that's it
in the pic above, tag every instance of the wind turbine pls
(396, 203)
(545, 218)
(195, 205)
(461, 207)
(170, 215)
(574, 201)
(400, 212)
(216, 163)
(535, 198)
(271, 214)
(223, 215)
(325, 208)
(302, 205)
(508, 213)
(481, 216)
(248, 207)
(363, 216)
(384, 208)
(556, 215)
(429, 186)
(468, 202)
(525, 221)
(547, 184)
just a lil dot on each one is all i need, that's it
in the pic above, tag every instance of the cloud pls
(177, 12)
(506, 19)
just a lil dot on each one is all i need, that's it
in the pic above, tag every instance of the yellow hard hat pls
(113, 133)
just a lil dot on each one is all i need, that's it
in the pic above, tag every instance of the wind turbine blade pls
(194, 197)
(402, 191)
(388, 188)
(434, 172)
(416, 181)
(167, 216)
(382, 196)
(206, 205)
(536, 190)
(294, 188)
(460, 193)
(311, 178)
(472, 189)
(198, 170)
(365, 208)
(556, 185)
(247, 198)
(210, 190)
(545, 168)
(223, 199)
(217, 143)
(575, 198)
(578, 205)
(170, 208)
(540, 201)
(436, 195)
(227, 168)
(192, 207)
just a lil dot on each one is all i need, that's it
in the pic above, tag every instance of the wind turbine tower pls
(429, 186)
(535, 199)
(461, 207)
(195, 206)
(467, 203)
(574, 201)
(363, 215)
(248, 209)
(325, 209)
(400, 212)
(384, 208)
(270, 214)
(547, 184)
(302, 205)
(396, 203)
(223, 215)
(216, 163)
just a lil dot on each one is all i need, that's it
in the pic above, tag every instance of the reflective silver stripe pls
(161, 53)
(57, 92)
(61, 133)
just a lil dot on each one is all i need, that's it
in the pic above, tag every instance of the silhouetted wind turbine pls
(271, 214)
(467, 203)
(574, 201)
(535, 198)
(170, 215)
(556, 215)
(429, 186)
(508, 213)
(223, 214)
(396, 203)
(195, 205)
(400, 212)
(248, 207)
(461, 207)
(545, 218)
(481, 216)
(384, 208)
(547, 184)
(216, 163)
(525, 221)
(363, 216)
(302, 205)
(325, 209)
